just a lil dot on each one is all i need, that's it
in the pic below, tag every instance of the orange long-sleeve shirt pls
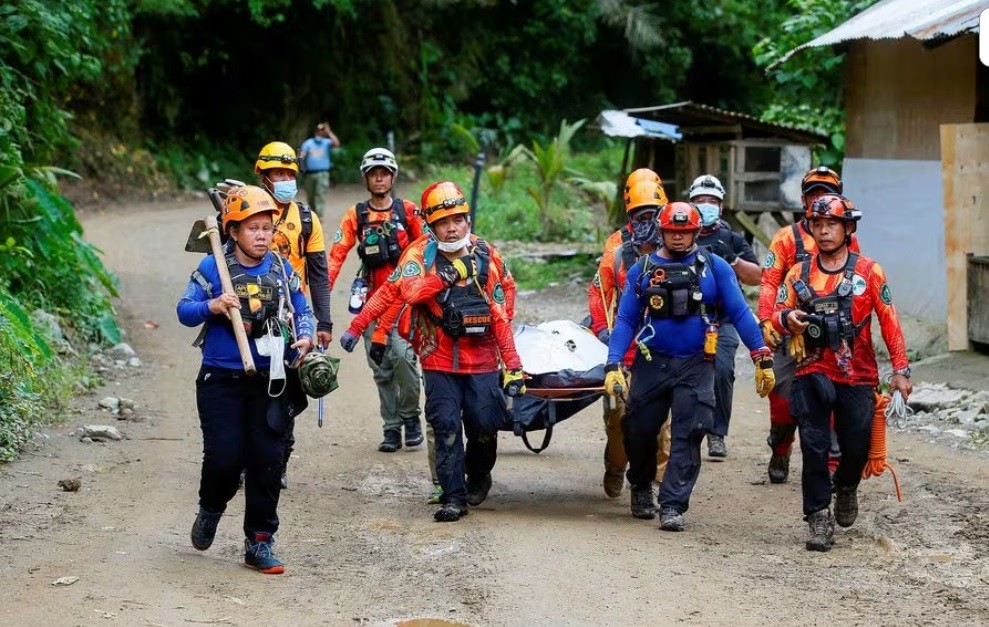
(870, 292)
(607, 285)
(419, 286)
(346, 238)
(781, 257)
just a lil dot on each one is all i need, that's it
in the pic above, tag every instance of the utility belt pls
(828, 323)
(465, 313)
(671, 291)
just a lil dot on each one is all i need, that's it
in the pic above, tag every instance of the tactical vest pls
(671, 290)
(378, 243)
(259, 296)
(829, 317)
(466, 309)
(628, 255)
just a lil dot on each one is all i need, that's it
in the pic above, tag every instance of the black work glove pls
(377, 352)
(459, 269)
(723, 250)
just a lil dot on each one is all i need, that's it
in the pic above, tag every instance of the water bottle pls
(358, 294)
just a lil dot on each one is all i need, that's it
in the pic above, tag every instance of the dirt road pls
(547, 547)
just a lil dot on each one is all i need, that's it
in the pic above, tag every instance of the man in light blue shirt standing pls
(315, 157)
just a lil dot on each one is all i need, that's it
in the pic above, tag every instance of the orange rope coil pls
(877, 462)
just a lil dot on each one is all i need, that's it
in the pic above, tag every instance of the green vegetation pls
(534, 275)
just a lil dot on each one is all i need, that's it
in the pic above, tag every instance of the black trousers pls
(724, 377)
(813, 398)
(457, 404)
(684, 386)
(242, 429)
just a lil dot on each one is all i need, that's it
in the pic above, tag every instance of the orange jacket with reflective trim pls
(870, 293)
(419, 286)
(346, 238)
(781, 257)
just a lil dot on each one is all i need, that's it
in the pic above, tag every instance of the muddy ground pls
(358, 540)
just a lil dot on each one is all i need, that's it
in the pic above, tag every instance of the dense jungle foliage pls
(153, 94)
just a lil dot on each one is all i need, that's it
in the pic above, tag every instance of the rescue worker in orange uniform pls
(462, 334)
(789, 247)
(643, 198)
(825, 305)
(382, 227)
(299, 238)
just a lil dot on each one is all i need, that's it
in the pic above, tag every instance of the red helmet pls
(679, 216)
(834, 206)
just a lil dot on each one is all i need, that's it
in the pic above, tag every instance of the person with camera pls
(667, 309)
(825, 308)
(462, 334)
(381, 227)
(717, 236)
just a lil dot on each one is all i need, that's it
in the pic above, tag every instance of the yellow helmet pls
(442, 199)
(243, 202)
(645, 193)
(276, 155)
(642, 174)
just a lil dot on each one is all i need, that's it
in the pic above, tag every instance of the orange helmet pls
(276, 155)
(642, 174)
(680, 216)
(243, 202)
(834, 206)
(442, 199)
(645, 193)
(821, 176)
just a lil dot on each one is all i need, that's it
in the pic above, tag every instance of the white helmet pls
(378, 157)
(706, 185)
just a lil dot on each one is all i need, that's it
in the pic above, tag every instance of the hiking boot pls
(437, 494)
(846, 505)
(450, 512)
(257, 554)
(614, 481)
(392, 441)
(477, 491)
(643, 502)
(413, 432)
(670, 518)
(821, 524)
(779, 468)
(284, 479)
(716, 446)
(204, 529)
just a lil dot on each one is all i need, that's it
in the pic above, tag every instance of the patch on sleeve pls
(498, 294)
(781, 294)
(395, 274)
(858, 285)
(338, 236)
(885, 295)
(770, 260)
(412, 269)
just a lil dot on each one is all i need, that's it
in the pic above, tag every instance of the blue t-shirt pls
(682, 337)
(220, 347)
(317, 151)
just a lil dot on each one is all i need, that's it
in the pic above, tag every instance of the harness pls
(378, 242)
(466, 309)
(628, 257)
(829, 316)
(671, 290)
(798, 240)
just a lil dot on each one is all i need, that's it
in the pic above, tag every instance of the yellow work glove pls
(513, 382)
(770, 335)
(614, 381)
(765, 378)
(460, 269)
(798, 349)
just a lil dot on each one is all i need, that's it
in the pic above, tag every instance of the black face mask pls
(644, 232)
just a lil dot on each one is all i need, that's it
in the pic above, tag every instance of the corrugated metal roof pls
(687, 114)
(892, 19)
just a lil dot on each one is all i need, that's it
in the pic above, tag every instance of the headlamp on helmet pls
(276, 155)
(706, 185)
(679, 216)
(442, 199)
(824, 177)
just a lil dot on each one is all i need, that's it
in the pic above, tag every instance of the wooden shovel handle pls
(213, 232)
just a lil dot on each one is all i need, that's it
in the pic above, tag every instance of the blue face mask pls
(284, 191)
(710, 213)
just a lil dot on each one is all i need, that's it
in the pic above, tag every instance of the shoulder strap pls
(198, 277)
(483, 261)
(853, 259)
(398, 213)
(798, 241)
(362, 216)
(305, 216)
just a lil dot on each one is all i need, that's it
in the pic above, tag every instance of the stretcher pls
(564, 366)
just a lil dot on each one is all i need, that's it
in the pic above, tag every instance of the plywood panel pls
(965, 167)
(898, 94)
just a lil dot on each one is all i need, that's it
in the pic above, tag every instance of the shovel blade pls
(195, 243)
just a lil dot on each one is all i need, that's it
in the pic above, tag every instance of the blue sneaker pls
(204, 529)
(257, 554)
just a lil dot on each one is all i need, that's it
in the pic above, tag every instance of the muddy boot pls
(204, 529)
(643, 502)
(846, 505)
(392, 441)
(716, 446)
(450, 512)
(477, 491)
(257, 554)
(670, 518)
(779, 468)
(821, 524)
(614, 478)
(413, 432)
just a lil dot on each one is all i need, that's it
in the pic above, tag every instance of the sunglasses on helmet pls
(278, 158)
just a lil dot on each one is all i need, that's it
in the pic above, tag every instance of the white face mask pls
(452, 247)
